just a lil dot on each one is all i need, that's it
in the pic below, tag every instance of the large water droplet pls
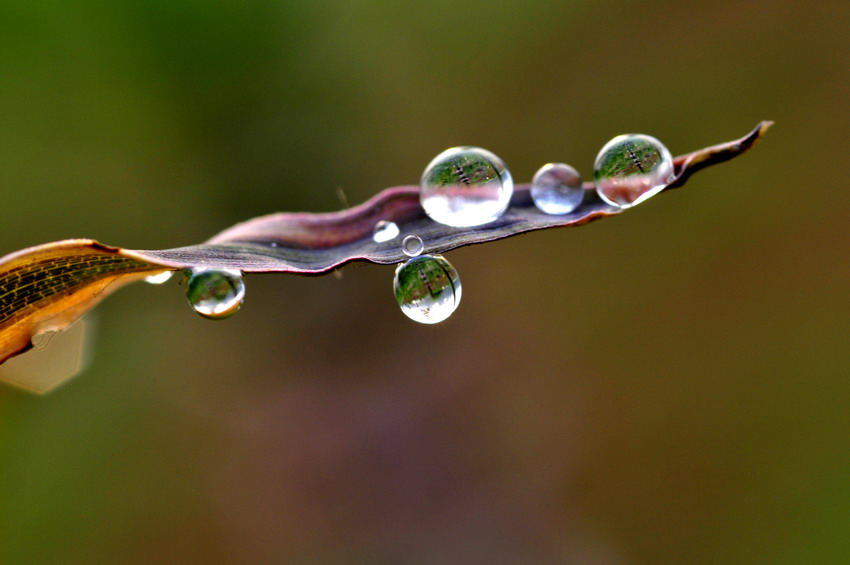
(427, 289)
(465, 186)
(556, 189)
(385, 231)
(215, 293)
(631, 168)
(412, 245)
(159, 278)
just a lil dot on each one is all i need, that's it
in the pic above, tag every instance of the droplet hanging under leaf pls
(215, 293)
(427, 288)
(159, 278)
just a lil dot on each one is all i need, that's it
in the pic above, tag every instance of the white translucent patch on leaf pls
(54, 358)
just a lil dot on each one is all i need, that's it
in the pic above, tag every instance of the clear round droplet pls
(412, 245)
(159, 278)
(385, 231)
(556, 189)
(465, 186)
(631, 168)
(215, 293)
(427, 288)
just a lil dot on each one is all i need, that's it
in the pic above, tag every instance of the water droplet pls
(465, 186)
(427, 289)
(556, 189)
(631, 168)
(385, 231)
(215, 293)
(412, 245)
(159, 278)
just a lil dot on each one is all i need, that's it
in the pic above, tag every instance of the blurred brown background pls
(668, 386)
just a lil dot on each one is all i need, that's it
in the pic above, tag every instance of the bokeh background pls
(667, 386)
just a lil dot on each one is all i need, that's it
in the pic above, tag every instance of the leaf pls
(48, 287)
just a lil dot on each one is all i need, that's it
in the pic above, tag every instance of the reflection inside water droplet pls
(385, 231)
(159, 278)
(215, 293)
(631, 168)
(427, 289)
(556, 189)
(412, 245)
(465, 186)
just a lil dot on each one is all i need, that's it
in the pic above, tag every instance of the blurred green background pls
(667, 386)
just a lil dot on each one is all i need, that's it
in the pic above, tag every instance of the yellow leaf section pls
(48, 287)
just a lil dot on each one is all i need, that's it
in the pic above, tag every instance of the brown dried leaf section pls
(50, 286)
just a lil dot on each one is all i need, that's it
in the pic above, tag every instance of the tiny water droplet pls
(631, 168)
(385, 231)
(159, 278)
(556, 189)
(465, 186)
(215, 293)
(412, 245)
(427, 288)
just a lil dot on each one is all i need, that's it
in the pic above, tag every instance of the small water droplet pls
(385, 231)
(631, 168)
(556, 189)
(215, 293)
(465, 186)
(427, 288)
(412, 245)
(159, 278)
